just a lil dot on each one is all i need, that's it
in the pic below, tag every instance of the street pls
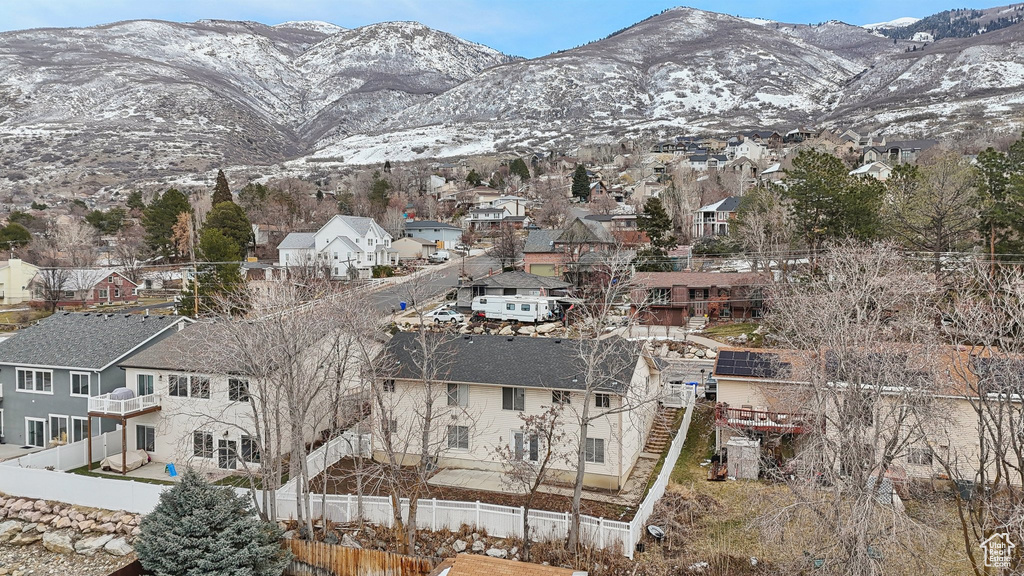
(432, 285)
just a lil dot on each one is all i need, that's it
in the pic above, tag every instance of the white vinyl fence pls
(70, 456)
(499, 521)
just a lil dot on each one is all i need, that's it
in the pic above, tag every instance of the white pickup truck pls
(439, 256)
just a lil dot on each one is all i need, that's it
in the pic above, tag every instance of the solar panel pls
(750, 364)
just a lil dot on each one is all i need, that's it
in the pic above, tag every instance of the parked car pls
(446, 315)
(462, 247)
(439, 256)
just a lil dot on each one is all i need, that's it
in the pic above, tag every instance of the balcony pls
(106, 406)
(763, 420)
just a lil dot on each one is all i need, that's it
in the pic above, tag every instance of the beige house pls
(15, 276)
(486, 382)
(412, 248)
(760, 395)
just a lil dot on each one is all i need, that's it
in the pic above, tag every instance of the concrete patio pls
(12, 451)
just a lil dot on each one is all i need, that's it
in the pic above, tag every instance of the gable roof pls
(360, 224)
(511, 361)
(541, 240)
(298, 241)
(519, 279)
(421, 224)
(700, 279)
(83, 340)
(187, 350)
(414, 239)
(730, 204)
(585, 231)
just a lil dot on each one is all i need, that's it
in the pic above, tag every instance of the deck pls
(763, 420)
(105, 406)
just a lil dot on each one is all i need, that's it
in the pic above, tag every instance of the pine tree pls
(581, 183)
(201, 529)
(160, 217)
(473, 178)
(657, 224)
(379, 196)
(231, 220)
(519, 168)
(221, 192)
(14, 235)
(135, 201)
(387, 166)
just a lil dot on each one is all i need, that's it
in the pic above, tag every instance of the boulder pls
(513, 551)
(85, 525)
(89, 546)
(459, 546)
(9, 529)
(59, 542)
(106, 528)
(479, 546)
(545, 328)
(63, 522)
(40, 505)
(118, 547)
(497, 552)
(350, 542)
(26, 538)
(506, 331)
(527, 330)
(710, 355)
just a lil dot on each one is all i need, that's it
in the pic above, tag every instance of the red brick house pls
(551, 252)
(84, 287)
(671, 298)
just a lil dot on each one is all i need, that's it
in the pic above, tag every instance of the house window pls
(199, 387)
(388, 385)
(458, 395)
(110, 280)
(58, 429)
(513, 399)
(202, 444)
(238, 390)
(510, 306)
(660, 296)
(35, 432)
(145, 438)
(117, 292)
(921, 456)
(79, 428)
(595, 450)
(602, 400)
(38, 381)
(177, 385)
(103, 293)
(458, 437)
(69, 293)
(144, 384)
(250, 451)
(560, 397)
(79, 384)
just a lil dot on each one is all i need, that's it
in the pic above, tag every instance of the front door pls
(227, 452)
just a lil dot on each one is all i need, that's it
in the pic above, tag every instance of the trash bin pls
(401, 306)
(966, 489)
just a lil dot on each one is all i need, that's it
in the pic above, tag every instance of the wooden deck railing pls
(764, 420)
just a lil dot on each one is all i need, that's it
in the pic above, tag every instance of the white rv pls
(519, 308)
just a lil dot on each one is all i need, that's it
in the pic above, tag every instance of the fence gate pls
(319, 559)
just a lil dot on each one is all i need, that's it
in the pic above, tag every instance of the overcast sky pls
(522, 27)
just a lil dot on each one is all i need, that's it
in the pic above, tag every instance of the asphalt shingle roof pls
(422, 224)
(512, 361)
(541, 240)
(91, 341)
(297, 241)
(520, 279)
(187, 350)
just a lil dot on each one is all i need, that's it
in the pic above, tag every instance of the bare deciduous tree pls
(508, 245)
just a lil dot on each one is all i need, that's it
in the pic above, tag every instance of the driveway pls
(442, 278)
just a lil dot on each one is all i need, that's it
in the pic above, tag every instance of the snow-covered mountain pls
(897, 23)
(86, 108)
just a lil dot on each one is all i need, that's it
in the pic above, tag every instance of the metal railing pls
(107, 405)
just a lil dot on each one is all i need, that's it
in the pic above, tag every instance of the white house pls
(714, 219)
(750, 149)
(489, 381)
(344, 243)
(514, 205)
(877, 170)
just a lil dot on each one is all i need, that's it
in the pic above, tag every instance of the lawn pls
(722, 332)
(22, 316)
(84, 471)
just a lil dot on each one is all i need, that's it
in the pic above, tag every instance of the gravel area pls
(34, 560)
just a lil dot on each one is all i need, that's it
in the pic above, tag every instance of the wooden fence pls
(319, 559)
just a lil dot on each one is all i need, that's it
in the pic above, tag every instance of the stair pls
(661, 431)
(696, 323)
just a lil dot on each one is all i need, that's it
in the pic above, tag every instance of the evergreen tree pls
(135, 201)
(1001, 189)
(319, 195)
(581, 183)
(231, 220)
(519, 168)
(379, 196)
(218, 275)
(109, 222)
(159, 219)
(473, 178)
(14, 235)
(657, 224)
(199, 529)
(221, 191)
(387, 166)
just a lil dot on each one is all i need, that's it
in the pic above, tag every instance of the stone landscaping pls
(66, 529)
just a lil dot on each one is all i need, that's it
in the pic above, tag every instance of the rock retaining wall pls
(66, 529)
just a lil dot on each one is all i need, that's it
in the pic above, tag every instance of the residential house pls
(707, 161)
(764, 394)
(551, 252)
(751, 149)
(877, 170)
(515, 205)
(15, 278)
(344, 246)
(745, 167)
(797, 135)
(773, 173)
(410, 248)
(481, 196)
(515, 283)
(52, 372)
(488, 381)
(622, 227)
(898, 152)
(84, 287)
(487, 219)
(767, 138)
(444, 236)
(672, 298)
(714, 219)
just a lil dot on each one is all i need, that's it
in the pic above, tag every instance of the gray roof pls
(420, 240)
(187, 350)
(297, 241)
(91, 341)
(520, 279)
(421, 224)
(541, 240)
(514, 361)
(360, 224)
